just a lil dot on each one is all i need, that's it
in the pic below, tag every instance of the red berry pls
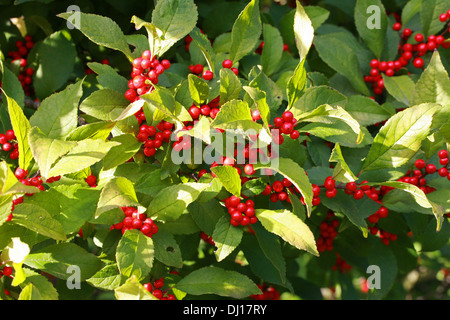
(208, 75)
(418, 37)
(248, 169)
(443, 172)
(194, 112)
(359, 194)
(351, 186)
(420, 164)
(418, 63)
(329, 183)
(7, 271)
(227, 63)
(443, 154)
(10, 135)
(397, 26)
(431, 168)
(91, 180)
(443, 17)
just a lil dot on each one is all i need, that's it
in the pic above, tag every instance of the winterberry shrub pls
(241, 150)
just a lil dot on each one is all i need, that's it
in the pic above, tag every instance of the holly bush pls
(239, 150)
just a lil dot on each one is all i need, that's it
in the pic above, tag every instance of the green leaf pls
(230, 86)
(104, 104)
(41, 283)
(101, 30)
(57, 115)
(229, 177)
(342, 171)
(21, 127)
(434, 83)
(371, 24)
(317, 96)
(264, 253)
(344, 60)
(96, 130)
(135, 254)
(170, 203)
(119, 154)
(38, 220)
(297, 84)
(401, 88)
(206, 214)
(214, 280)
(400, 138)
(366, 111)
(55, 259)
(167, 250)
(246, 31)
(56, 62)
(274, 94)
(272, 50)
(132, 289)
(175, 19)
(116, 193)
(297, 175)
(107, 278)
(108, 78)
(199, 89)
(259, 97)
(46, 151)
(226, 238)
(317, 15)
(235, 115)
(30, 292)
(289, 227)
(332, 116)
(204, 44)
(83, 155)
(419, 198)
(11, 85)
(303, 31)
(383, 257)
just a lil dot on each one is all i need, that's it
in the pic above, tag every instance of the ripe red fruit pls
(359, 194)
(420, 164)
(295, 134)
(7, 271)
(418, 37)
(91, 180)
(194, 111)
(278, 186)
(329, 183)
(418, 63)
(331, 193)
(431, 168)
(443, 154)
(208, 75)
(397, 26)
(20, 173)
(248, 169)
(227, 63)
(351, 186)
(443, 17)
(10, 135)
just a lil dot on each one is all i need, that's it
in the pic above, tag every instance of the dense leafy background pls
(84, 125)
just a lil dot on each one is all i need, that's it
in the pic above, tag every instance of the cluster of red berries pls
(207, 239)
(341, 265)
(21, 55)
(408, 51)
(381, 213)
(359, 190)
(278, 190)
(153, 137)
(145, 73)
(386, 237)
(242, 213)
(208, 110)
(198, 69)
(135, 220)
(417, 177)
(9, 144)
(268, 293)
(328, 232)
(286, 124)
(156, 289)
